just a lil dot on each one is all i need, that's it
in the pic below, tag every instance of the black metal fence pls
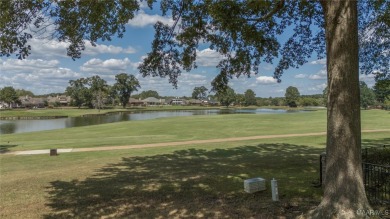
(377, 183)
(376, 170)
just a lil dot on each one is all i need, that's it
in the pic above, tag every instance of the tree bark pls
(344, 194)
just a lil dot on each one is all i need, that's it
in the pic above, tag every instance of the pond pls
(21, 126)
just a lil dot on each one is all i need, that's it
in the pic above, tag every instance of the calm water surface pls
(20, 126)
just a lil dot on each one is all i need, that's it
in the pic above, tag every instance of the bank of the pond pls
(20, 114)
(26, 114)
(33, 125)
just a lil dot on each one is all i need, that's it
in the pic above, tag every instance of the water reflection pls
(8, 127)
(20, 126)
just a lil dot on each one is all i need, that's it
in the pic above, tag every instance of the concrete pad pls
(46, 151)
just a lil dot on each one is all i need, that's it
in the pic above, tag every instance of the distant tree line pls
(94, 92)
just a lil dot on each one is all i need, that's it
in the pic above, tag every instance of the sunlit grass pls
(179, 181)
(204, 180)
(183, 129)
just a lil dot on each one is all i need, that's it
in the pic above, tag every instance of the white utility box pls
(254, 185)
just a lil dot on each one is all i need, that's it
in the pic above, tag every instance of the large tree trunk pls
(344, 194)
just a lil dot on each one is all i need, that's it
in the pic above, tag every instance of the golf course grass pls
(200, 180)
(183, 129)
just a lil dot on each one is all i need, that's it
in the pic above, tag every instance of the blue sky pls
(48, 69)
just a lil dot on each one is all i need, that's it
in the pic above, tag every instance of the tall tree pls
(240, 99)
(199, 93)
(98, 87)
(292, 96)
(22, 92)
(250, 97)
(245, 33)
(382, 87)
(8, 95)
(367, 95)
(226, 97)
(148, 93)
(112, 95)
(77, 90)
(125, 85)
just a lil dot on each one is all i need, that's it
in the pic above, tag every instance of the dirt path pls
(179, 143)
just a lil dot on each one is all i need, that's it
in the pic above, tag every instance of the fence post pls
(53, 152)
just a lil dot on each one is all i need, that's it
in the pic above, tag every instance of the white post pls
(274, 189)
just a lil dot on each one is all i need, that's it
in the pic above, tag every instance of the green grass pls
(182, 129)
(203, 180)
(195, 180)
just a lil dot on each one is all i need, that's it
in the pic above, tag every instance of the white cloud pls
(17, 65)
(320, 75)
(36, 75)
(369, 79)
(142, 19)
(300, 76)
(106, 66)
(319, 62)
(110, 49)
(266, 80)
(208, 58)
(50, 48)
(318, 87)
(143, 4)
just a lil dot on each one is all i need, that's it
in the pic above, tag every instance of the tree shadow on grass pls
(193, 183)
(375, 143)
(4, 148)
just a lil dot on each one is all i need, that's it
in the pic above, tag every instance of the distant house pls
(59, 99)
(150, 101)
(177, 101)
(31, 102)
(210, 102)
(135, 102)
(195, 102)
(3, 105)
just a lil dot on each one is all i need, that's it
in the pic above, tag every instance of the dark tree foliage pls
(78, 91)
(367, 95)
(226, 97)
(382, 87)
(16, 17)
(22, 92)
(245, 33)
(292, 96)
(250, 98)
(73, 22)
(8, 95)
(199, 92)
(98, 88)
(124, 86)
(148, 93)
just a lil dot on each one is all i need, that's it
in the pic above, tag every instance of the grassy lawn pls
(203, 180)
(188, 181)
(183, 129)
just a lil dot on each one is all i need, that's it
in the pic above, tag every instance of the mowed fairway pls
(183, 129)
(203, 180)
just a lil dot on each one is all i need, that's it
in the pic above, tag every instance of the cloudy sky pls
(48, 69)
